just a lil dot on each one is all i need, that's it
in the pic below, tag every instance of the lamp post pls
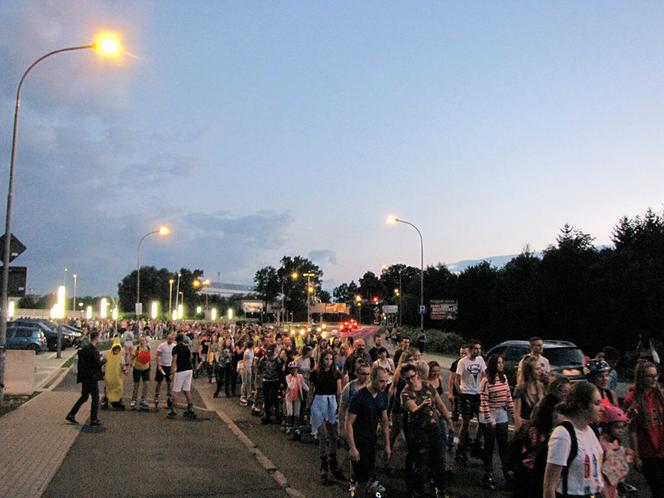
(162, 230)
(170, 295)
(310, 291)
(73, 301)
(394, 219)
(294, 275)
(177, 291)
(105, 44)
(64, 283)
(358, 302)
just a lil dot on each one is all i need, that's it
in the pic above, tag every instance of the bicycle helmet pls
(611, 414)
(596, 367)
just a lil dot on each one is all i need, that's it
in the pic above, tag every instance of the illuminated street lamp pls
(213, 314)
(103, 305)
(310, 291)
(88, 312)
(358, 301)
(162, 230)
(394, 219)
(170, 295)
(154, 312)
(107, 45)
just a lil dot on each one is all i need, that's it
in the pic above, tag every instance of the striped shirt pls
(494, 397)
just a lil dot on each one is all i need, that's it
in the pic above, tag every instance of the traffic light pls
(374, 299)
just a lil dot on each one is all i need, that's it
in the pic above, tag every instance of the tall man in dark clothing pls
(89, 374)
(270, 366)
(367, 408)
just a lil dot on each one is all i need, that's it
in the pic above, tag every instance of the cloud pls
(323, 256)
(101, 247)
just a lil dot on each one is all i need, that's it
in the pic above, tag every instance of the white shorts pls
(182, 381)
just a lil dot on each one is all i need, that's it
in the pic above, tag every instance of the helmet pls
(611, 414)
(596, 367)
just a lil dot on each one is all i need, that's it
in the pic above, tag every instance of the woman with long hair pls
(324, 394)
(496, 406)
(580, 473)
(528, 391)
(645, 406)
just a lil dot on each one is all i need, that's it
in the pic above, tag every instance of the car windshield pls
(564, 356)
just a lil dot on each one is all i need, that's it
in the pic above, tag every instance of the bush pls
(438, 341)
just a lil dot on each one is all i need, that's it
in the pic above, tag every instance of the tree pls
(267, 284)
(370, 286)
(155, 287)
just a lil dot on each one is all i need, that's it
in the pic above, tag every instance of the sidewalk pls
(35, 440)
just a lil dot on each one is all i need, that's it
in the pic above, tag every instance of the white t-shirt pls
(165, 354)
(470, 372)
(585, 471)
(128, 338)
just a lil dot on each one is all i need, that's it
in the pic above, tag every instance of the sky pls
(262, 129)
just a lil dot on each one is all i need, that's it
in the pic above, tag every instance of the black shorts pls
(143, 375)
(469, 405)
(167, 374)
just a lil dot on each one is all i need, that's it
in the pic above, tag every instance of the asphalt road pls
(146, 454)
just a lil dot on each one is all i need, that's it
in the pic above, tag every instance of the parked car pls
(564, 356)
(50, 333)
(75, 333)
(26, 337)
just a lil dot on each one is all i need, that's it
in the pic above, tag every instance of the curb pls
(252, 447)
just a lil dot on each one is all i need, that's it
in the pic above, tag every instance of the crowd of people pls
(567, 439)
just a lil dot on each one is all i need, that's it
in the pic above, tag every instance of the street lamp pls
(310, 291)
(170, 295)
(162, 230)
(358, 302)
(294, 275)
(105, 44)
(394, 219)
(397, 292)
(177, 292)
(73, 301)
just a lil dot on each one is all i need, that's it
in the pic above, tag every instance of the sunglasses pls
(410, 378)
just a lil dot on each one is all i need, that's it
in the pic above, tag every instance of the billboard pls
(390, 309)
(252, 306)
(443, 309)
(341, 308)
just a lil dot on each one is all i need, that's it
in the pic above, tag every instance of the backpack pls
(574, 449)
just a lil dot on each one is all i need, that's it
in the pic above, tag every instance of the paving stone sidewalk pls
(34, 440)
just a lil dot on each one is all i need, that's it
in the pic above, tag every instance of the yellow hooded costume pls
(113, 373)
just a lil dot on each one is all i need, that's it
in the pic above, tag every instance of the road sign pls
(444, 309)
(138, 309)
(18, 278)
(422, 309)
(16, 248)
(390, 309)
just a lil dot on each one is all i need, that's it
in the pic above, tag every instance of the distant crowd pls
(553, 437)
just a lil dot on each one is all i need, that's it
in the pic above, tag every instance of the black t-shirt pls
(368, 411)
(325, 383)
(373, 352)
(183, 360)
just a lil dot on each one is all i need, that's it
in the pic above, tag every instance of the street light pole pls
(177, 292)
(170, 296)
(4, 294)
(73, 303)
(162, 230)
(394, 219)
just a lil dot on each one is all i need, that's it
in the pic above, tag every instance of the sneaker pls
(243, 401)
(71, 419)
(171, 414)
(95, 423)
(144, 405)
(132, 405)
